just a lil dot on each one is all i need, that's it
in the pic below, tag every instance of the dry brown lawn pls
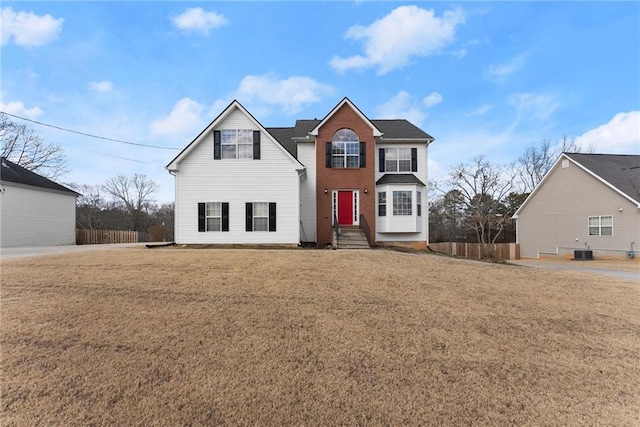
(313, 337)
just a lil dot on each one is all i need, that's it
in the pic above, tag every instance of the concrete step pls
(352, 238)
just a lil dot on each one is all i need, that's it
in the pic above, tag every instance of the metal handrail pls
(335, 230)
(364, 226)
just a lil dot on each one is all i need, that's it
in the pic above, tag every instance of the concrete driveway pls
(622, 269)
(10, 253)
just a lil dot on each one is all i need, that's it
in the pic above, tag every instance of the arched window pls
(345, 149)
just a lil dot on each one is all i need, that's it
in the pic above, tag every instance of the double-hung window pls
(260, 216)
(236, 143)
(382, 203)
(601, 225)
(213, 216)
(402, 203)
(397, 159)
(419, 202)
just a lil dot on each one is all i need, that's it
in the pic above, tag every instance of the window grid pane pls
(382, 203)
(402, 203)
(236, 143)
(345, 149)
(397, 159)
(213, 213)
(261, 216)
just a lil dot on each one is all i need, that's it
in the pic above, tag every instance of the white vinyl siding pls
(33, 217)
(307, 156)
(403, 228)
(273, 178)
(401, 217)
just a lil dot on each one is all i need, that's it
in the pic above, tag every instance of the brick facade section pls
(344, 179)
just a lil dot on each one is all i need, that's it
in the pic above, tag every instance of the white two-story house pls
(238, 182)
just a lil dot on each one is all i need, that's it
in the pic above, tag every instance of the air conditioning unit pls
(583, 255)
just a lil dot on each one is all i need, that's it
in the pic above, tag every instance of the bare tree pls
(134, 194)
(90, 206)
(534, 164)
(483, 188)
(537, 160)
(23, 147)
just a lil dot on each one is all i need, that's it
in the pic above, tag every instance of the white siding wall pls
(557, 215)
(273, 178)
(396, 229)
(307, 156)
(33, 217)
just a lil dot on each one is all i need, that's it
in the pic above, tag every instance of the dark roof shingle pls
(399, 178)
(620, 170)
(11, 172)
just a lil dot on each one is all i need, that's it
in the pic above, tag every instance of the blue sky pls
(481, 77)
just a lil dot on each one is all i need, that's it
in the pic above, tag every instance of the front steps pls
(351, 238)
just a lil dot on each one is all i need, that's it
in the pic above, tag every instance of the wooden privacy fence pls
(93, 237)
(503, 251)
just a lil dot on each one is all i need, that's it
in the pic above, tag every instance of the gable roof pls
(173, 164)
(346, 101)
(620, 172)
(392, 129)
(11, 172)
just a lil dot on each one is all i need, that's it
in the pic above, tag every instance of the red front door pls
(345, 208)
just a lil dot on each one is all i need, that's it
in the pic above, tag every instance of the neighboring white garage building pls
(34, 211)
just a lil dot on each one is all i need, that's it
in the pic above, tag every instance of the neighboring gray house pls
(34, 211)
(585, 200)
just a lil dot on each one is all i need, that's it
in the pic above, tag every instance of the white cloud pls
(103, 86)
(621, 135)
(197, 20)
(402, 106)
(292, 94)
(184, 120)
(480, 111)
(19, 109)
(406, 32)
(503, 70)
(434, 98)
(29, 29)
(530, 105)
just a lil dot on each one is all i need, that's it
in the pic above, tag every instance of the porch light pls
(326, 191)
(366, 191)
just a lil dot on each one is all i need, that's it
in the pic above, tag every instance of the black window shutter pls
(328, 155)
(414, 160)
(249, 215)
(363, 155)
(381, 159)
(225, 216)
(256, 145)
(201, 217)
(217, 145)
(272, 217)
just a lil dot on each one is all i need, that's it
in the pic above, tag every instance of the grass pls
(313, 337)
